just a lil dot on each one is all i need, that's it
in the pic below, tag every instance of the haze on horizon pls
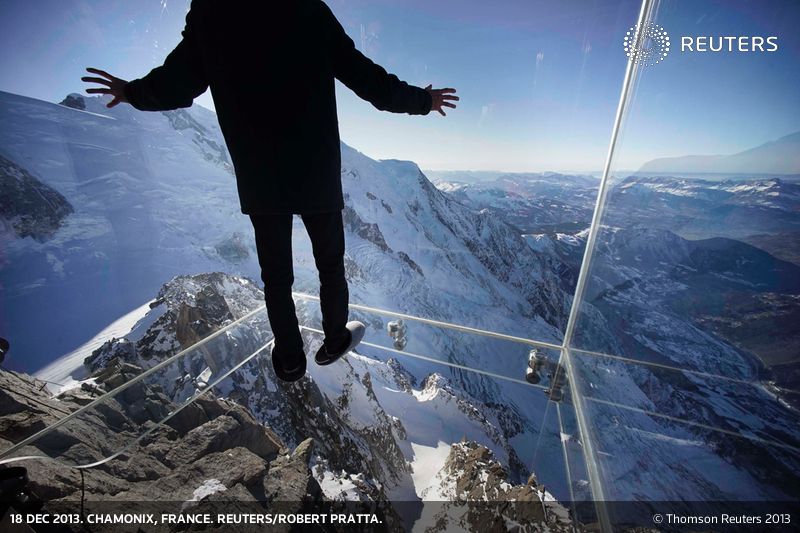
(539, 81)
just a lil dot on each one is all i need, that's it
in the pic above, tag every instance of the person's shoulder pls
(315, 7)
(202, 6)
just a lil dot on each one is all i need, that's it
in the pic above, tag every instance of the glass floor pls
(639, 385)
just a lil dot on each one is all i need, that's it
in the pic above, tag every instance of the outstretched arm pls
(174, 84)
(372, 83)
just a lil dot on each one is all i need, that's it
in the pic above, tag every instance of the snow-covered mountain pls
(656, 293)
(693, 208)
(153, 199)
(380, 433)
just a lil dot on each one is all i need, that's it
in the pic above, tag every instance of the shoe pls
(355, 331)
(297, 371)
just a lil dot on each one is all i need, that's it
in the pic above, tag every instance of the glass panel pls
(696, 469)
(539, 82)
(685, 340)
(487, 377)
(132, 402)
(473, 221)
(527, 427)
(482, 350)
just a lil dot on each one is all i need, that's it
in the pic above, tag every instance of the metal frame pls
(590, 455)
(646, 12)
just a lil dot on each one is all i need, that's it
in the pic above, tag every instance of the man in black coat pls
(271, 68)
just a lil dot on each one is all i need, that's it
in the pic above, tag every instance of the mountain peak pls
(75, 101)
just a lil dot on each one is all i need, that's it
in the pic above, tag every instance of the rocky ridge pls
(471, 477)
(360, 414)
(212, 448)
(215, 450)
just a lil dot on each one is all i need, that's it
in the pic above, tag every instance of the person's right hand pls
(114, 86)
(442, 98)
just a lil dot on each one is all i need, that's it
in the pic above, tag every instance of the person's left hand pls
(441, 98)
(114, 86)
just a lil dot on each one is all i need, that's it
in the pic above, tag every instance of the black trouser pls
(274, 245)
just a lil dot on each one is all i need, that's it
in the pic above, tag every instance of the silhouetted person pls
(271, 68)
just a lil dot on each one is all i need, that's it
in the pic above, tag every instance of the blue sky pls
(539, 80)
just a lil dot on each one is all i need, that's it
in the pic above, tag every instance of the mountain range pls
(781, 156)
(155, 224)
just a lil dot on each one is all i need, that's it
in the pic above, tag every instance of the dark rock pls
(223, 433)
(25, 407)
(74, 101)
(289, 479)
(410, 262)
(229, 468)
(32, 208)
(368, 231)
(478, 477)
(138, 467)
(188, 418)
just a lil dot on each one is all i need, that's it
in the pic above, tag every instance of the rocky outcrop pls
(289, 479)
(367, 231)
(25, 408)
(75, 101)
(187, 309)
(356, 449)
(508, 420)
(211, 449)
(28, 206)
(473, 481)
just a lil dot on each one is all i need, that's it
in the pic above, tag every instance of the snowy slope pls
(150, 202)
(648, 286)
(379, 432)
(154, 198)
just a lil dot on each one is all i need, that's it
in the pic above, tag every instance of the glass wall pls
(589, 267)
(685, 332)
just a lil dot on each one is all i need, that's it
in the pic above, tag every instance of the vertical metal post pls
(590, 455)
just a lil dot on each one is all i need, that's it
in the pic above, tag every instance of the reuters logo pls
(646, 45)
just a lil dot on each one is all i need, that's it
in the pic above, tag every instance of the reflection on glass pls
(684, 343)
(679, 378)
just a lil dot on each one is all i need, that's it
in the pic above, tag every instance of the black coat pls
(271, 68)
